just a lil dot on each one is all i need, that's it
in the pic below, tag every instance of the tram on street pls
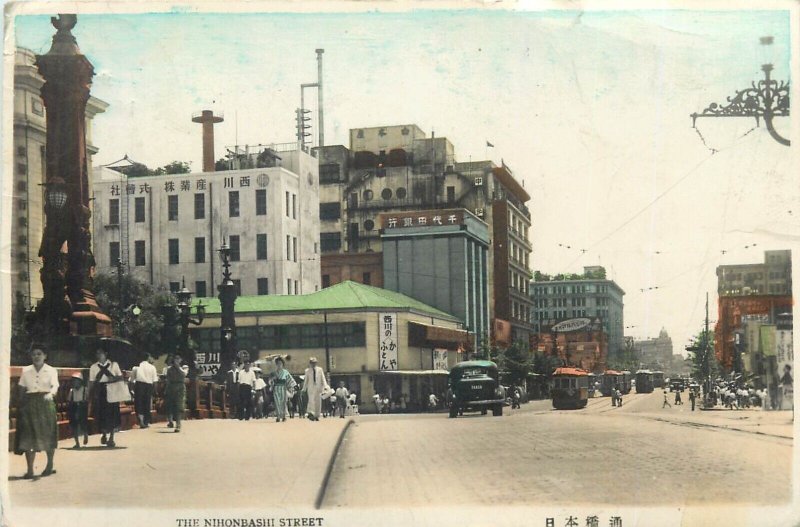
(570, 388)
(644, 381)
(658, 379)
(627, 382)
(615, 380)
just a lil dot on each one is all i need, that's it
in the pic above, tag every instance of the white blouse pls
(95, 369)
(43, 381)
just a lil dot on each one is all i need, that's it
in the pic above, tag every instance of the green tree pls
(154, 330)
(516, 361)
(702, 369)
(176, 167)
(222, 165)
(544, 364)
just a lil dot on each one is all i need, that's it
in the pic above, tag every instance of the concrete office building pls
(397, 169)
(655, 353)
(590, 295)
(28, 166)
(168, 228)
(772, 277)
(440, 257)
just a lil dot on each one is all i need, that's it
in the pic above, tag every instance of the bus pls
(644, 381)
(570, 388)
(658, 379)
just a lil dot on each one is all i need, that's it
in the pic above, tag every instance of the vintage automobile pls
(473, 386)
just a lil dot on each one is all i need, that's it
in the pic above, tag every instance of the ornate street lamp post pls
(765, 99)
(68, 306)
(184, 308)
(227, 298)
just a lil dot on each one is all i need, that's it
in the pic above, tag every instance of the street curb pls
(325, 479)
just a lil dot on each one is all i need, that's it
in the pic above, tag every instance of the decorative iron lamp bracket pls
(766, 100)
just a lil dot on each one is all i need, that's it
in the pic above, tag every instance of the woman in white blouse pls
(37, 426)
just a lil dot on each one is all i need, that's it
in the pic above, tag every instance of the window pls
(329, 173)
(172, 207)
(288, 247)
(233, 204)
(366, 278)
(261, 202)
(288, 286)
(23, 221)
(368, 195)
(451, 194)
(234, 244)
(200, 250)
(294, 249)
(199, 206)
(261, 247)
(287, 203)
(294, 206)
(113, 211)
(22, 186)
(330, 211)
(174, 287)
(173, 251)
(138, 210)
(113, 253)
(23, 240)
(138, 253)
(369, 225)
(386, 193)
(23, 204)
(200, 289)
(330, 241)
(295, 287)
(401, 193)
(36, 106)
(238, 285)
(326, 280)
(263, 286)
(22, 168)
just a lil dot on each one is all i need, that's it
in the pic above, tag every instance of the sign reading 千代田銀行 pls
(573, 324)
(425, 218)
(387, 342)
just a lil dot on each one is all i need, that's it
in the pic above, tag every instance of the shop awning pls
(429, 336)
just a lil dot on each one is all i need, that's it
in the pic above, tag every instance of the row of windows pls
(366, 279)
(262, 287)
(518, 281)
(563, 302)
(234, 242)
(518, 254)
(289, 336)
(199, 206)
(517, 225)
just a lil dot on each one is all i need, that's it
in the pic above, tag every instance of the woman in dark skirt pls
(175, 392)
(106, 414)
(37, 426)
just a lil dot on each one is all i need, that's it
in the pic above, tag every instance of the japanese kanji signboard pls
(387, 342)
(424, 218)
(209, 363)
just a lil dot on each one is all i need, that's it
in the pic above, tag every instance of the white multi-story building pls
(168, 228)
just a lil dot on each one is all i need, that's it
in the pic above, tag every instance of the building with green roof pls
(376, 341)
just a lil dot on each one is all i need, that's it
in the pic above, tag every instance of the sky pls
(590, 109)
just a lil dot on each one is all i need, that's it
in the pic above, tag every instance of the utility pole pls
(706, 368)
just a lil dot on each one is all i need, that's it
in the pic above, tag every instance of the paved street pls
(634, 455)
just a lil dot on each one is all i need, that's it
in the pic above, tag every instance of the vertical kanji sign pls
(387, 342)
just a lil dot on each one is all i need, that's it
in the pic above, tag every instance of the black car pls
(474, 386)
(677, 385)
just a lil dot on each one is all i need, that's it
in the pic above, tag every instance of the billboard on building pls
(784, 354)
(387, 338)
(440, 359)
(209, 363)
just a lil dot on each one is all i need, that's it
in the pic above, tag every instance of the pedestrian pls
(283, 389)
(37, 425)
(378, 403)
(246, 383)
(385, 404)
(314, 385)
(78, 409)
(678, 398)
(432, 402)
(329, 404)
(618, 394)
(232, 389)
(342, 397)
(145, 378)
(692, 397)
(666, 402)
(354, 403)
(259, 396)
(106, 414)
(515, 398)
(175, 391)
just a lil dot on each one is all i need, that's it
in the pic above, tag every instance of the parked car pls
(677, 385)
(474, 386)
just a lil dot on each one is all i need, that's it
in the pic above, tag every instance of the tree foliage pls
(155, 329)
(697, 353)
(140, 169)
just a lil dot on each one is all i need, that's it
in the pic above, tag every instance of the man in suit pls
(314, 385)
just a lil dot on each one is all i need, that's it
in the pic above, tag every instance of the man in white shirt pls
(145, 377)
(246, 383)
(259, 395)
(342, 397)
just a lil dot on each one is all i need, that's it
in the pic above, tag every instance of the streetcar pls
(627, 378)
(658, 379)
(570, 388)
(612, 380)
(644, 381)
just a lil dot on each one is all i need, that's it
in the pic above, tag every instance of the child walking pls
(78, 410)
